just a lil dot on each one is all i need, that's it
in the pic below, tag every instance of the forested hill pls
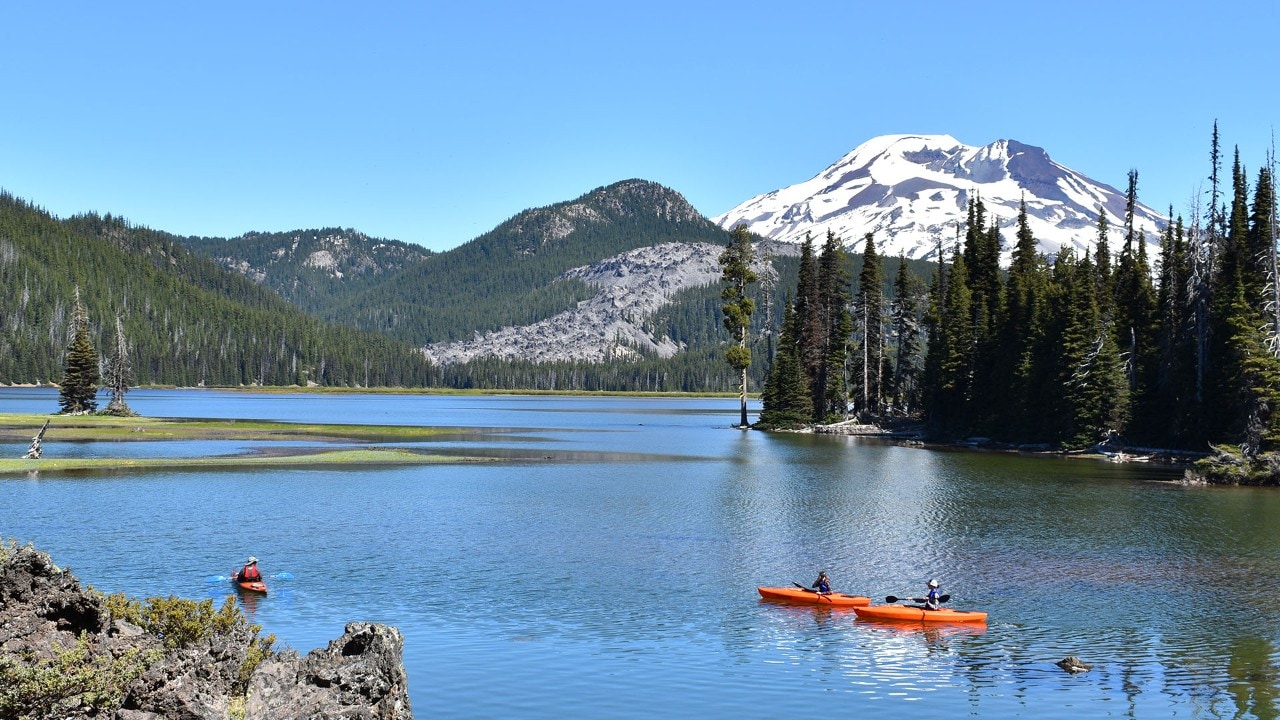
(507, 277)
(313, 269)
(188, 321)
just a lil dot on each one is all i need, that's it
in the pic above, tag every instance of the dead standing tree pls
(36, 449)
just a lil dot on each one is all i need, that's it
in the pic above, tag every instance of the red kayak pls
(916, 614)
(250, 585)
(812, 597)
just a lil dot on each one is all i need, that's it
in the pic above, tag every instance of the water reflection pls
(249, 601)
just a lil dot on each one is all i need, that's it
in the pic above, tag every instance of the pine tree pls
(1135, 304)
(786, 400)
(949, 363)
(79, 389)
(1169, 409)
(1019, 328)
(834, 326)
(738, 276)
(869, 322)
(1102, 265)
(808, 329)
(1092, 373)
(904, 391)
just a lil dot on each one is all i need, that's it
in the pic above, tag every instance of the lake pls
(609, 568)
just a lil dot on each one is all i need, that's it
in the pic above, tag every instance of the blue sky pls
(432, 123)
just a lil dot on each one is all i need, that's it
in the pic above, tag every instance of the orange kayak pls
(251, 586)
(915, 614)
(810, 597)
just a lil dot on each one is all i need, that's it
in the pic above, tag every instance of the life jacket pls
(250, 574)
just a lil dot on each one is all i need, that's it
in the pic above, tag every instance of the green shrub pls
(32, 688)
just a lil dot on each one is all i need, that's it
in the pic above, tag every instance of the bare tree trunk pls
(36, 449)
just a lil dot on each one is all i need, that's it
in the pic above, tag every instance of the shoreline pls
(914, 436)
(343, 390)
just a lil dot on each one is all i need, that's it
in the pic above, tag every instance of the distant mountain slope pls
(613, 324)
(188, 321)
(912, 190)
(512, 275)
(311, 268)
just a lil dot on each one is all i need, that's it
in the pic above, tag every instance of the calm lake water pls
(609, 570)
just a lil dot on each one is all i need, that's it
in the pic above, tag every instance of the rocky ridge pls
(611, 325)
(62, 648)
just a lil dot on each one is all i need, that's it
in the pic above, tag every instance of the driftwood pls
(36, 449)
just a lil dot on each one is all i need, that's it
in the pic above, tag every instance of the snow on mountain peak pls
(912, 191)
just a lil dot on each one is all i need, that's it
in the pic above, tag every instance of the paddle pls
(793, 582)
(894, 599)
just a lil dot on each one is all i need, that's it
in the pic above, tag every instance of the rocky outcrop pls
(63, 654)
(615, 323)
(360, 670)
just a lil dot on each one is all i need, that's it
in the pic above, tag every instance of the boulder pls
(1073, 664)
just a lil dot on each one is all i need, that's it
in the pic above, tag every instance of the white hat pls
(933, 583)
(252, 560)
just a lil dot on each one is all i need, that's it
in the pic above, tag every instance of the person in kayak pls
(932, 601)
(249, 573)
(823, 583)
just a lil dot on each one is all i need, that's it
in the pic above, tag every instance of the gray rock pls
(360, 672)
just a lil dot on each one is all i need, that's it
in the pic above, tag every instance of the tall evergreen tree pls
(1135, 305)
(1092, 377)
(904, 391)
(1168, 411)
(810, 340)
(1102, 264)
(737, 276)
(829, 389)
(869, 324)
(786, 400)
(79, 389)
(1019, 329)
(952, 340)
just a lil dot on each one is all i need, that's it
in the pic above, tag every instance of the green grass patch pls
(81, 428)
(287, 458)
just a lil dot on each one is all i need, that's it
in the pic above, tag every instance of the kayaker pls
(931, 601)
(249, 573)
(823, 583)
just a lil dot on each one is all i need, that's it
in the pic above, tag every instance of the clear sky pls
(433, 122)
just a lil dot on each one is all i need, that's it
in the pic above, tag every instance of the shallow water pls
(617, 578)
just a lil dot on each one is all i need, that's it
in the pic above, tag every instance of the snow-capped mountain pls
(913, 190)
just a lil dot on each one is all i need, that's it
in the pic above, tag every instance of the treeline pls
(1177, 351)
(188, 322)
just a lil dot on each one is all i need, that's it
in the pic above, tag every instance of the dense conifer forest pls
(1179, 351)
(187, 321)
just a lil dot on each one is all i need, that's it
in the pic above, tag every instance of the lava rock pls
(1073, 664)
